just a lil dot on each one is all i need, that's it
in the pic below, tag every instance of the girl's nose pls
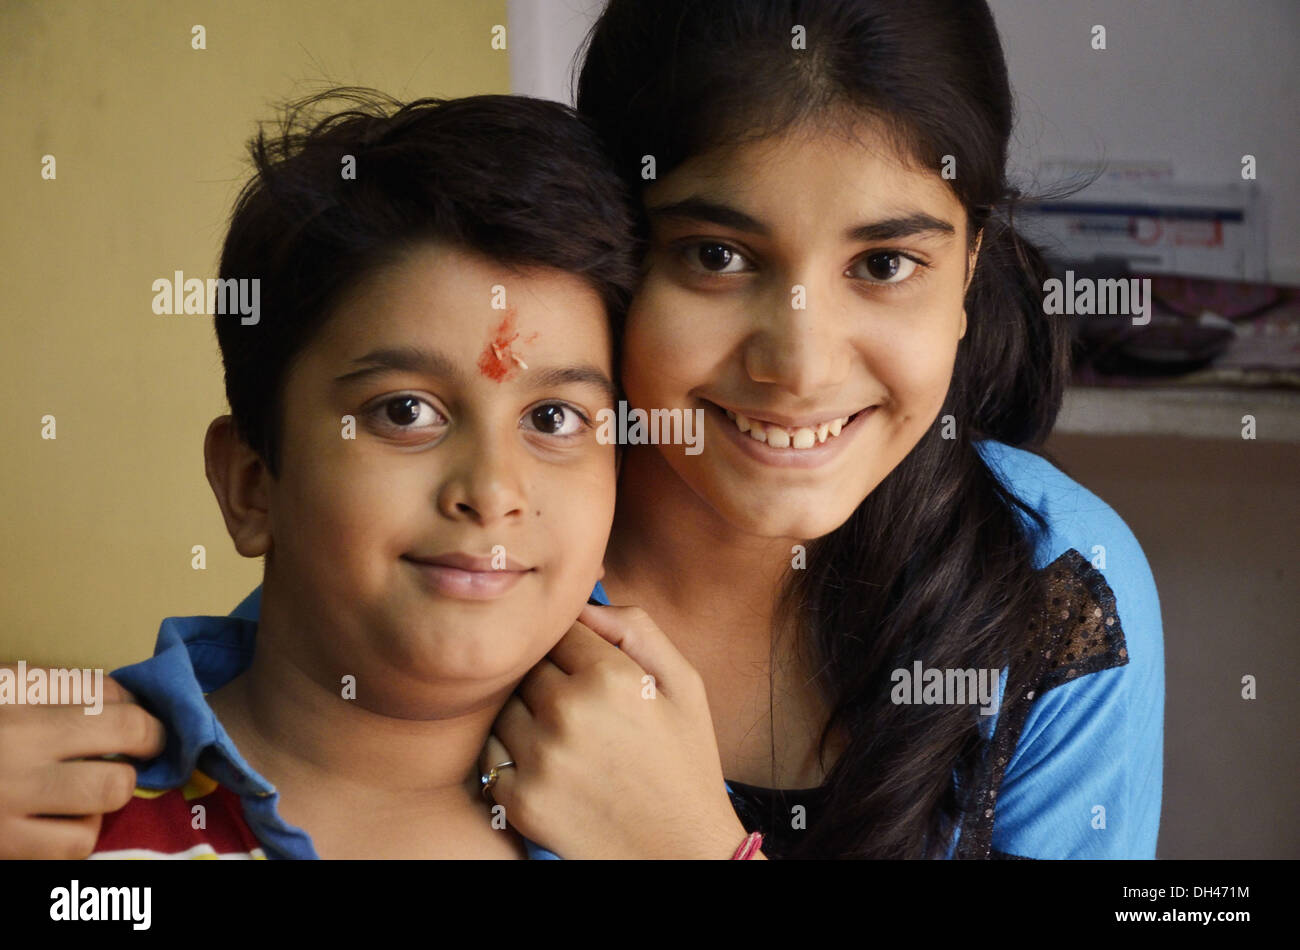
(802, 344)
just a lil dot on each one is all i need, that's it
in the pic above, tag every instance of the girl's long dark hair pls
(936, 564)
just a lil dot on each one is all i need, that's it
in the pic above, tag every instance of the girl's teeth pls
(779, 437)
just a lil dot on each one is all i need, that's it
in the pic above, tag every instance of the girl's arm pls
(1085, 780)
(53, 787)
(609, 762)
(1086, 772)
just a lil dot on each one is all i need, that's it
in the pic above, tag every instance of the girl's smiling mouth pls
(774, 442)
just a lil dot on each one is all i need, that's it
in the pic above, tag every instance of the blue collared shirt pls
(195, 656)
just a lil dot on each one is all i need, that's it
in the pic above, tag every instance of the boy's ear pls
(240, 480)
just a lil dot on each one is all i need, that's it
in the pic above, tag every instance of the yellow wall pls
(148, 135)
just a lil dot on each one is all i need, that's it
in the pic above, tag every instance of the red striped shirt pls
(201, 819)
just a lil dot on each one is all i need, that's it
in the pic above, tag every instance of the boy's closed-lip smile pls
(467, 576)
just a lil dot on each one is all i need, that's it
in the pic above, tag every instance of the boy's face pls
(474, 389)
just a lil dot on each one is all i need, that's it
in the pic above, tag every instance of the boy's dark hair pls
(522, 181)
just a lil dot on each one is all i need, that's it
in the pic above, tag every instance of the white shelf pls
(1206, 413)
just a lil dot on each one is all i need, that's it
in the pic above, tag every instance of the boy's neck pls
(326, 754)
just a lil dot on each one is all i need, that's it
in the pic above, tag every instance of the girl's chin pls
(786, 520)
(766, 508)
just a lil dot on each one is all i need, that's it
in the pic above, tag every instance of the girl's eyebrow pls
(906, 224)
(910, 224)
(696, 208)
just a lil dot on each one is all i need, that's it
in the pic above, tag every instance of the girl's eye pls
(886, 267)
(716, 258)
(555, 418)
(410, 412)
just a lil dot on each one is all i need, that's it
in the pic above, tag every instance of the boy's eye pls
(885, 267)
(411, 412)
(716, 258)
(555, 418)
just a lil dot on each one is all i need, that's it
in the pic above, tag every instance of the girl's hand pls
(614, 750)
(53, 792)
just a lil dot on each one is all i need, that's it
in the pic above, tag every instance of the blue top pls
(1082, 769)
(1085, 777)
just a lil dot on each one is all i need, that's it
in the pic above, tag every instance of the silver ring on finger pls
(489, 778)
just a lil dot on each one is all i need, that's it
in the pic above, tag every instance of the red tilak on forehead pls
(497, 361)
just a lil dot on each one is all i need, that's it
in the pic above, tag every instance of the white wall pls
(544, 36)
(1198, 83)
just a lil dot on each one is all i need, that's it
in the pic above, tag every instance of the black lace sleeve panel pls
(1080, 633)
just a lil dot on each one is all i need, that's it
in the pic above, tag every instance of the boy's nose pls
(484, 488)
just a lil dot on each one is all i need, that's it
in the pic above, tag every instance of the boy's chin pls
(433, 680)
(446, 700)
(478, 657)
(463, 675)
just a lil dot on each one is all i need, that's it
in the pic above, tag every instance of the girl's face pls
(801, 286)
